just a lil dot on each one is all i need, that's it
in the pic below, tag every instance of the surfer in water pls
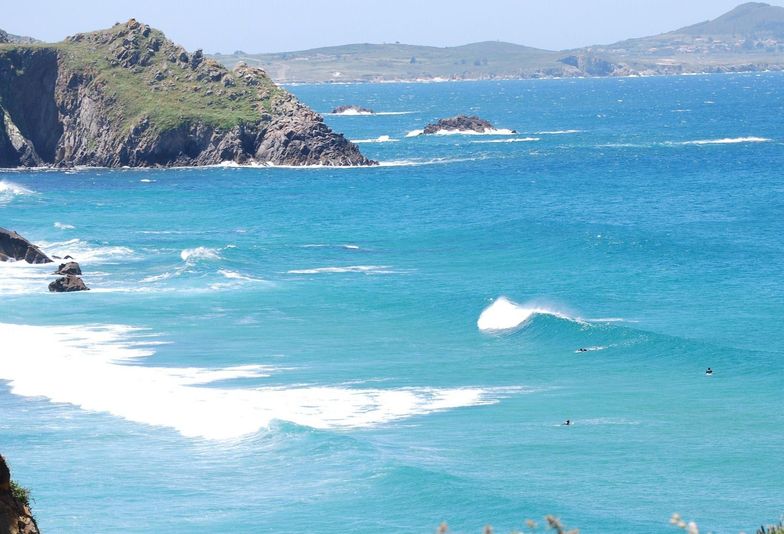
(582, 349)
(568, 422)
(709, 371)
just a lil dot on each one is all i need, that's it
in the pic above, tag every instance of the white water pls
(63, 226)
(515, 140)
(10, 190)
(493, 131)
(88, 367)
(379, 139)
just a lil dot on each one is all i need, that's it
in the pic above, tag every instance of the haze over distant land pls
(750, 37)
(303, 24)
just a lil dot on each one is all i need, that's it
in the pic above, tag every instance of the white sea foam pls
(379, 139)
(86, 252)
(22, 278)
(725, 141)
(87, 366)
(491, 131)
(63, 226)
(324, 245)
(146, 181)
(503, 315)
(191, 255)
(367, 269)
(515, 140)
(355, 113)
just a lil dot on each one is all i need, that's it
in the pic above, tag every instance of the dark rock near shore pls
(69, 268)
(352, 109)
(15, 247)
(462, 123)
(68, 284)
(15, 515)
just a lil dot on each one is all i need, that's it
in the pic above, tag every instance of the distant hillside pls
(748, 38)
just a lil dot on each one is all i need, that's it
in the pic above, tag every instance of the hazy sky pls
(281, 25)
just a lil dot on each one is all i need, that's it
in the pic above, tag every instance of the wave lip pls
(492, 131)
(505, 315)
(88, 367)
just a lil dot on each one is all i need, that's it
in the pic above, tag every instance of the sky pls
(284, 25)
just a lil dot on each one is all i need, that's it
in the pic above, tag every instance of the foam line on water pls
(725, 141)
(379, 139)
(515, 140)
(505, 315)
(366, 269)
(87, 366)
(86, 252)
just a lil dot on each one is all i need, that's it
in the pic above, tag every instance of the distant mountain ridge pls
(748, 38)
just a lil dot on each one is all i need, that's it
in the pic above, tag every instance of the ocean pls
(382, 349)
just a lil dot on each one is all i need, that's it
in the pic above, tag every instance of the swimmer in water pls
(582, 349)
(568, 422)
(709, 371)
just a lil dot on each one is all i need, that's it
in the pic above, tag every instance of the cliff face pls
(15, 516)
(128, 96)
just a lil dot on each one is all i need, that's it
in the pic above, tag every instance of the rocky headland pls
(462, 123)
(15, 515)
(127, 96)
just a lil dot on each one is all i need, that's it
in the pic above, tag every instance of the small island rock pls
(461, 123)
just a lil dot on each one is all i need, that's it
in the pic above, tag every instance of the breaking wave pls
(191, 255)
(63, 226)
(10, 190)
(100, 369)
(504, 315)
(557, 132)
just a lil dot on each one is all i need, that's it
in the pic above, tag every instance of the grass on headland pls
(20, 493)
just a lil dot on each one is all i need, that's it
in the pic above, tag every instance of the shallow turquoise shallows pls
(381, 349)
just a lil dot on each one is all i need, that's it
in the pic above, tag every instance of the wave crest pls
(191, 255)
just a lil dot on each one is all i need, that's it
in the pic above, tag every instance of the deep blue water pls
(273, 349)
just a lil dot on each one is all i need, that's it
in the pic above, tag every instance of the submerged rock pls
(15, 247)
(69, 268)
(352, 110)
(15, 515)
(68, 284)
(461, 123)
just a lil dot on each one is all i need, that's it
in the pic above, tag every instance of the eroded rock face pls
(15, 516)
(15, 247)
(461, 123)
(68, 284)
(59, 109)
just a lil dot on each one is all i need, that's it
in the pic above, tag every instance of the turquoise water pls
(274, 349)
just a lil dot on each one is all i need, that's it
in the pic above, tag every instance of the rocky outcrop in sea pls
(127, 96)
(461, 123)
